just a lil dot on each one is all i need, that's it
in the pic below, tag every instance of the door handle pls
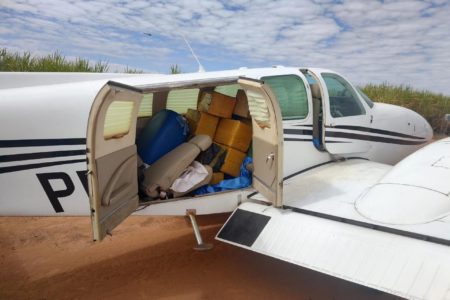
(271, 156)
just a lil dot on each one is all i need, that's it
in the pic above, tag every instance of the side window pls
(181, 100)
(291, 93)
(118, 119)
(229, 90)
(344, 101)
(145, 110)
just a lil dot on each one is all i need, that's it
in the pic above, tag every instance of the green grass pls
(432, 106)
(56, 62)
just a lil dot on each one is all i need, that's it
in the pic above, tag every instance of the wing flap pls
(395, 264)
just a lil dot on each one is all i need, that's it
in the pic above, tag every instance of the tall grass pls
(175, 69)
(431, 105)
(56, 62)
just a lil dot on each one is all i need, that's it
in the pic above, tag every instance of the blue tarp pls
(244, 180)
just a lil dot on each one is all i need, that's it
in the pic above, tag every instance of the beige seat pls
(160, 176)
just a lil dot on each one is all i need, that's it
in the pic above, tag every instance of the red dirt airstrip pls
(147, 258)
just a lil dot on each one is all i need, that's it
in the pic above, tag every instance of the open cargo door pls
(343, 113)
(112, 157)
(267, 140)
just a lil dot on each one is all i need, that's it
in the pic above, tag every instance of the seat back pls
(164, 171)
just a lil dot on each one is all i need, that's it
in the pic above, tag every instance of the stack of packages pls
(227, 121)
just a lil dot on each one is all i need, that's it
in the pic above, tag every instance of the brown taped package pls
(234, 133)
(216, 178)
(232, 162)
(201, 123)
(221, 105)
(207, 124)
(241, 108)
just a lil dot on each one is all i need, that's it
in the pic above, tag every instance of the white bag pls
(193, 175)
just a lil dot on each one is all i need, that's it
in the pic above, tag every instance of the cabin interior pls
(192, 141)
(196, 139)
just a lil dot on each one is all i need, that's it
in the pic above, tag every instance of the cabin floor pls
(148, 258)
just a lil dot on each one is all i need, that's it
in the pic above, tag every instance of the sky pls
(400, 42)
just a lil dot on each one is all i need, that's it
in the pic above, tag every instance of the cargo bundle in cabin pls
(195, 145)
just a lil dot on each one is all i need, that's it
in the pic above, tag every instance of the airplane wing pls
(351, 220)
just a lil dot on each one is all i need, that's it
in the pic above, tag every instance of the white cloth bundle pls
(194, 174)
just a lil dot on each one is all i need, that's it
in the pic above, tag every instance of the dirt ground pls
(148, 258)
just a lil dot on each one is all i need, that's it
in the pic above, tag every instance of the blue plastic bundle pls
(165, 131)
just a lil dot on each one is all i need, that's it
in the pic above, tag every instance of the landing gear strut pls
(200, 245)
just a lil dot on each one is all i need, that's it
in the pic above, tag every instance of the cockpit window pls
(344, 102)
(365, 97)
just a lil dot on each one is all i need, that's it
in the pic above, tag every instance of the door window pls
(344, 101)
(258, 108)
(118, 119)
(291, 94)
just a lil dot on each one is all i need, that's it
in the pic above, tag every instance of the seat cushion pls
(165, 170)
(169, 167)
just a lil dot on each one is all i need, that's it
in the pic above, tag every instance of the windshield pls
(365, 97)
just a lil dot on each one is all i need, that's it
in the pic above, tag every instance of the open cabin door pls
(267, 140)
(112, 158)
(343, 113)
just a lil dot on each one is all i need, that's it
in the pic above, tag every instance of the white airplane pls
(324, 193)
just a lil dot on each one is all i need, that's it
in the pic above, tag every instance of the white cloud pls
(368, 41)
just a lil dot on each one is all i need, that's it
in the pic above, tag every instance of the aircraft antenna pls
(200, 67)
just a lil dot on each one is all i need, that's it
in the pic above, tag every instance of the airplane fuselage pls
(44, 126)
